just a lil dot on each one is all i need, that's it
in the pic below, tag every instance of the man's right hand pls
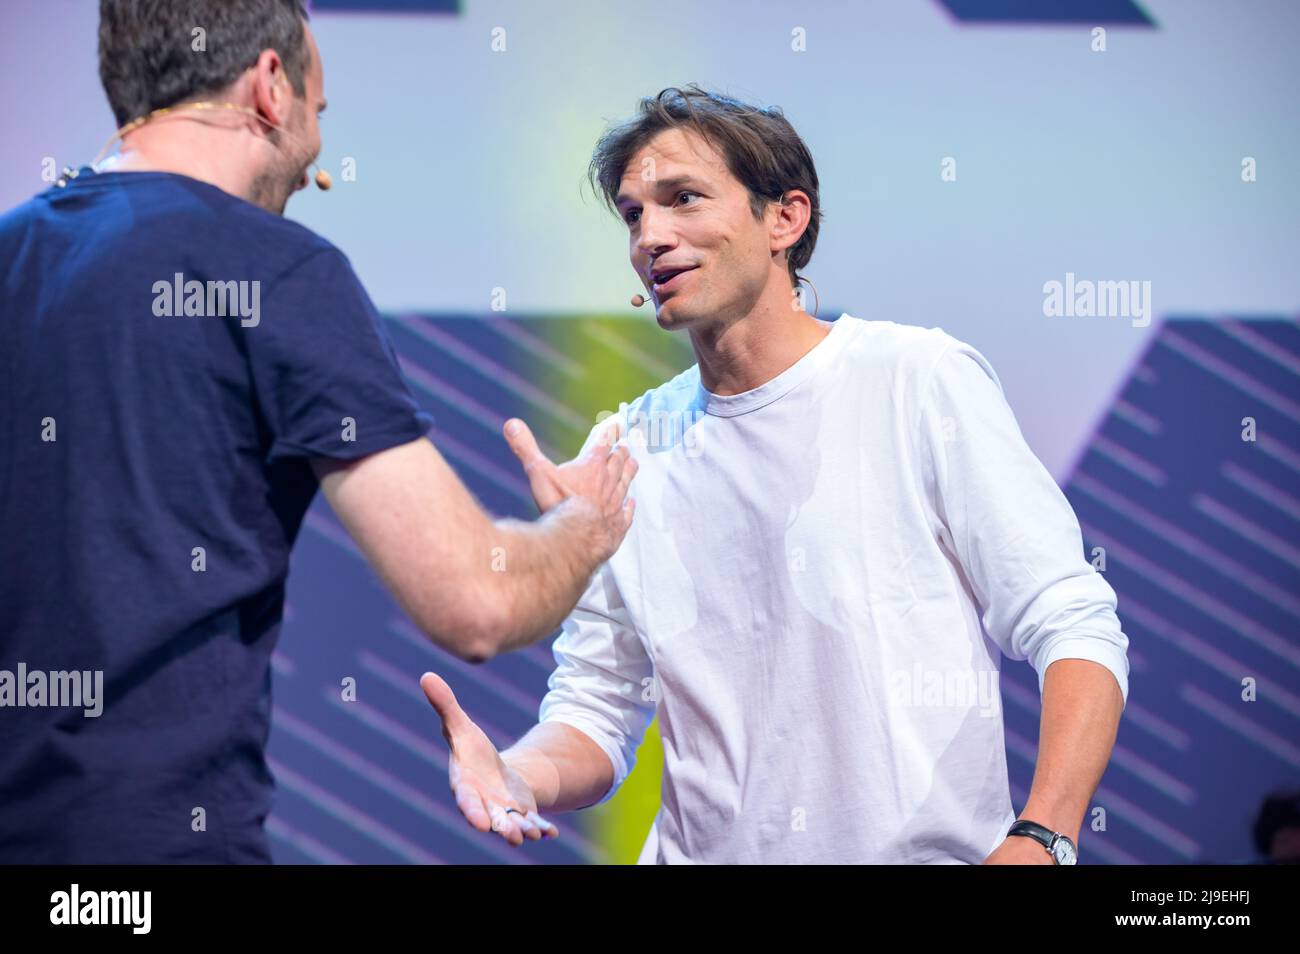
(597, 480)
(489, 793)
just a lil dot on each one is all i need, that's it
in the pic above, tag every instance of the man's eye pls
(631, 216)
(681, 194)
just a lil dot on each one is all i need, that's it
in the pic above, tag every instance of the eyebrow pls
(660, 185)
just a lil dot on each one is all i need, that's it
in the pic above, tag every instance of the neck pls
(212, 152)
(739, 355)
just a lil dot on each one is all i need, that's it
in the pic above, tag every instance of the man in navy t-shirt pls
(181, 369)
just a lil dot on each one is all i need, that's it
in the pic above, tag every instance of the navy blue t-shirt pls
(171, 358)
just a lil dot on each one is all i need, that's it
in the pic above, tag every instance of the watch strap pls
(1044, 836)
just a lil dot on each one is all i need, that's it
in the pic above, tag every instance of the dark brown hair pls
(760, 147)
(146, 60)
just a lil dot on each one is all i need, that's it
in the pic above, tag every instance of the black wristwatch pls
(1057, 845)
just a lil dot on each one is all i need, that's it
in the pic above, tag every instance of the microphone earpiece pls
(323, 179)
(638, 301)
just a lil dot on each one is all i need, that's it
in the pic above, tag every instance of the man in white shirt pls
(841, 531)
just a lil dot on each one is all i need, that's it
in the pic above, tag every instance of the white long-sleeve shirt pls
(814, 597)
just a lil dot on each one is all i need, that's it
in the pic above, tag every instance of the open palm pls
(489, 793)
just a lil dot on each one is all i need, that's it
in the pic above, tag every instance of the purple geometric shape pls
(385, 6)
(1057, 11)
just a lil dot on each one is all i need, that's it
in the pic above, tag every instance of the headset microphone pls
(638, 301)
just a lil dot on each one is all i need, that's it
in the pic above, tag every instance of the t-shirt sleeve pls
(324, 371)
(603, 684)
(1010, 527)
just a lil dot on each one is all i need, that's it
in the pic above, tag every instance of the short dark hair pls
(1280, 810)
(760, 147)
(146, 58)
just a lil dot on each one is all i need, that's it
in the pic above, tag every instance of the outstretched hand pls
(489, 793)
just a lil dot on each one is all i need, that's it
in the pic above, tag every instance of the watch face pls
(1064, 852)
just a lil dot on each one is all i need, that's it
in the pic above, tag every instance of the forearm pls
(562, 765)
(475, 586)
(1082, 704)
(540, 570)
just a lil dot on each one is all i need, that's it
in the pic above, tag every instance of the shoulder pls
(893, 347)
(19, 214)
(173, 217)
(666, 409)
(15, 225)
(911, 356)
(281, 240)
(680, 393)
(160, 207)
(295, 235)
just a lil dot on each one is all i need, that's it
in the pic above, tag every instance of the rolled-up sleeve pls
(1010, 527)
(603, 684)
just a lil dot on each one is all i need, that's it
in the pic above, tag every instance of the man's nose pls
(655, 233)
